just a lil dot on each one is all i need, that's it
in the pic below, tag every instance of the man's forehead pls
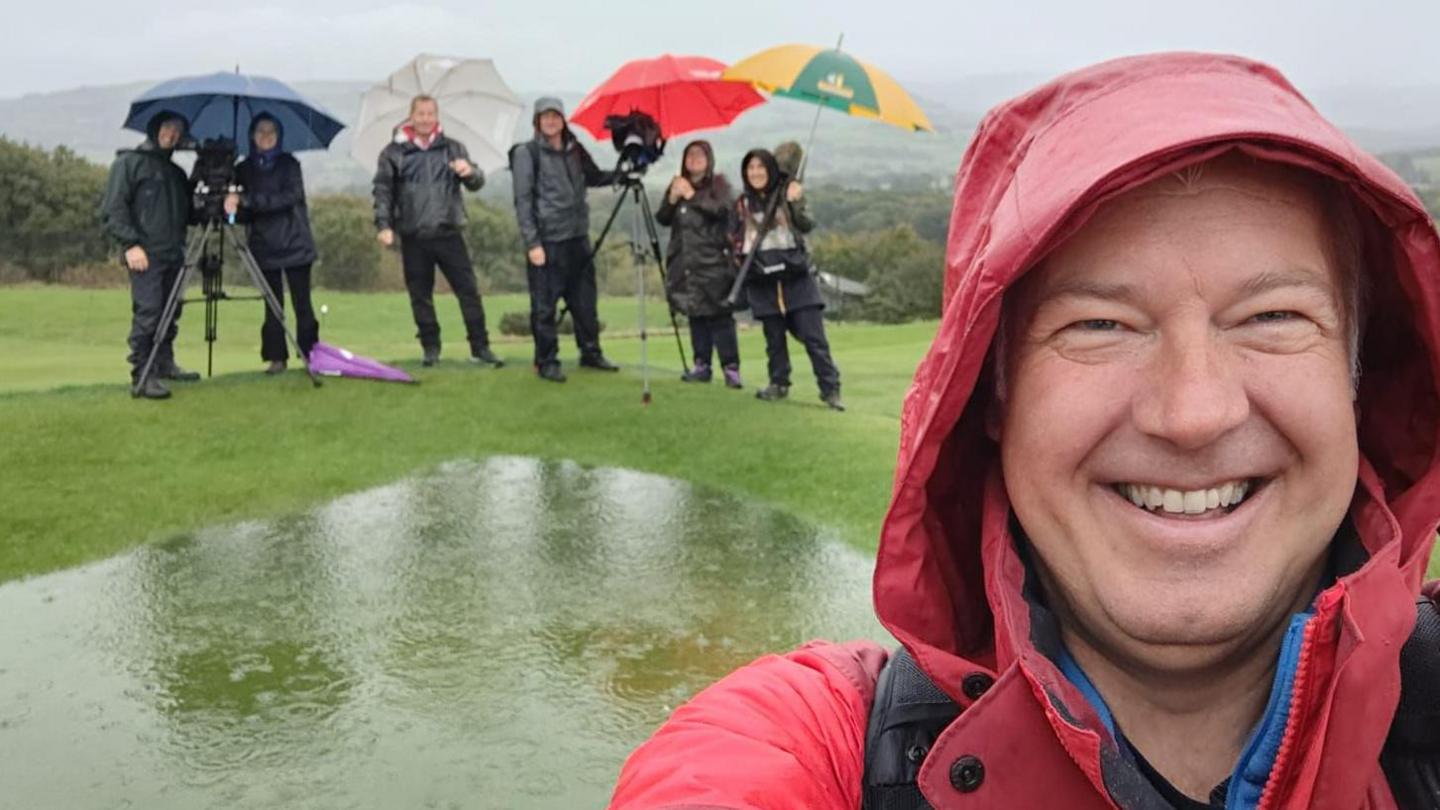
(1288, 207)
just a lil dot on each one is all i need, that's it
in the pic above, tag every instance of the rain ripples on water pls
(494, 634)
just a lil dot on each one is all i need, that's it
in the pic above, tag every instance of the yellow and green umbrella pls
(831, 78)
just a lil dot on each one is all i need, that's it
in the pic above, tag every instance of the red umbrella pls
(682, 93)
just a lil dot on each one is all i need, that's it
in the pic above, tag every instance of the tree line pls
(893, 241)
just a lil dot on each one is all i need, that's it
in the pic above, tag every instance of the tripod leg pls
(210, 283)
(595, 250)
(605, 231)
(252, 268)
(193, 252)
(637, 258)
(654, 234)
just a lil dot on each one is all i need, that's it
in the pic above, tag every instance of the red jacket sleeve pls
(781, 733)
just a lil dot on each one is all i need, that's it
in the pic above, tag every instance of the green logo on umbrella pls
(836, 80)
(834, 84)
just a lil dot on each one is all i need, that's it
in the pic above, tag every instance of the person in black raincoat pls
(698, 208)
(146, 209)
(272, 202)
(417, 200)
(781, 287)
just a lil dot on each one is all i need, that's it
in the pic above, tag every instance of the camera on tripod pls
(213, 177)
(636, 137)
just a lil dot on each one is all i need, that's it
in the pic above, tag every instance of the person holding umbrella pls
(146, 209)
(417, 196)
(551, 174)
(771, 221)
(697, 209)
(272, 203)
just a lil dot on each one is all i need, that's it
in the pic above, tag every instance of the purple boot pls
(732, 377)
(700, 374)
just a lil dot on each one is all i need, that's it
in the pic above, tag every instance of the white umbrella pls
(477, 108)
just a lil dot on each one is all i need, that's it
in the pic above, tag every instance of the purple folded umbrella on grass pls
(333, 361)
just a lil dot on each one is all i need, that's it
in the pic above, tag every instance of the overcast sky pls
(572, 45)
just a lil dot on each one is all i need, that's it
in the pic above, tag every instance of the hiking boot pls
(176, 373)
(732, 377)
(599, 363)
(551, 373)
(773, 392)
(832, 400)
(275, 367)
(152, 389)
(486, 357)
(700, 374)
(432, 356)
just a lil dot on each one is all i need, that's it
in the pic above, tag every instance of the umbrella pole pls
(810, 142)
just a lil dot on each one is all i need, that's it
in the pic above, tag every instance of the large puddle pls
(495, 634)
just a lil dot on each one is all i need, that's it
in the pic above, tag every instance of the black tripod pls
(642, 227)
(206, 251)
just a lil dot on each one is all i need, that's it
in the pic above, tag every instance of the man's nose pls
(1192, 392)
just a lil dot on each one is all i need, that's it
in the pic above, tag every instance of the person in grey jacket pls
(146, 209)
(417, 194)
(551, 174)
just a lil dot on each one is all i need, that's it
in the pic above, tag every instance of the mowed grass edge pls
(86, 472)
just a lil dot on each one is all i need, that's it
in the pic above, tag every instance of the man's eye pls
(1096, 325)
(1274, 316)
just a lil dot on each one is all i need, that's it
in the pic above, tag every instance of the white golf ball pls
(324, 309)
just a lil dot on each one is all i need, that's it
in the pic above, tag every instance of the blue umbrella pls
(221, 105)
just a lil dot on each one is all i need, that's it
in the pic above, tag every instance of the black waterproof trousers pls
(808, 327)
(148, 293)
(420, 255)
(307, 329)
(569, 273)
(712, 334)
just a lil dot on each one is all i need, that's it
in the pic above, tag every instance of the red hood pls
(1036, 169)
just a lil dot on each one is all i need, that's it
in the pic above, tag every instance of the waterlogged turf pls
(493, 634)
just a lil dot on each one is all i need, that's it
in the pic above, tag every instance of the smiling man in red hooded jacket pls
(1167, 481)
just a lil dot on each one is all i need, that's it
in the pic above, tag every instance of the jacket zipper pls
(1297, 698)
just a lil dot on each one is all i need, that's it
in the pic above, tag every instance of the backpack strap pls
(534, 149)
(909, 712)
(1411, 757)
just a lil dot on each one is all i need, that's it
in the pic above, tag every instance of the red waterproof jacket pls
(788, 731)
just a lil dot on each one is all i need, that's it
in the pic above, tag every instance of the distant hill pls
(848, 152)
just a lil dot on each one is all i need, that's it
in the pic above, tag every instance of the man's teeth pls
(1188, 502)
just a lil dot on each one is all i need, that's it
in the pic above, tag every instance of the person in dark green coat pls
(146, 209)
(698, 209)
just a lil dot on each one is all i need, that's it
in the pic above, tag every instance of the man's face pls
(551, 123)
(1186, 349)
(424, 117)
(266, 136)
(169, 134)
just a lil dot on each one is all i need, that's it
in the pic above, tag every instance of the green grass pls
(51, 336)
(85, 471)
